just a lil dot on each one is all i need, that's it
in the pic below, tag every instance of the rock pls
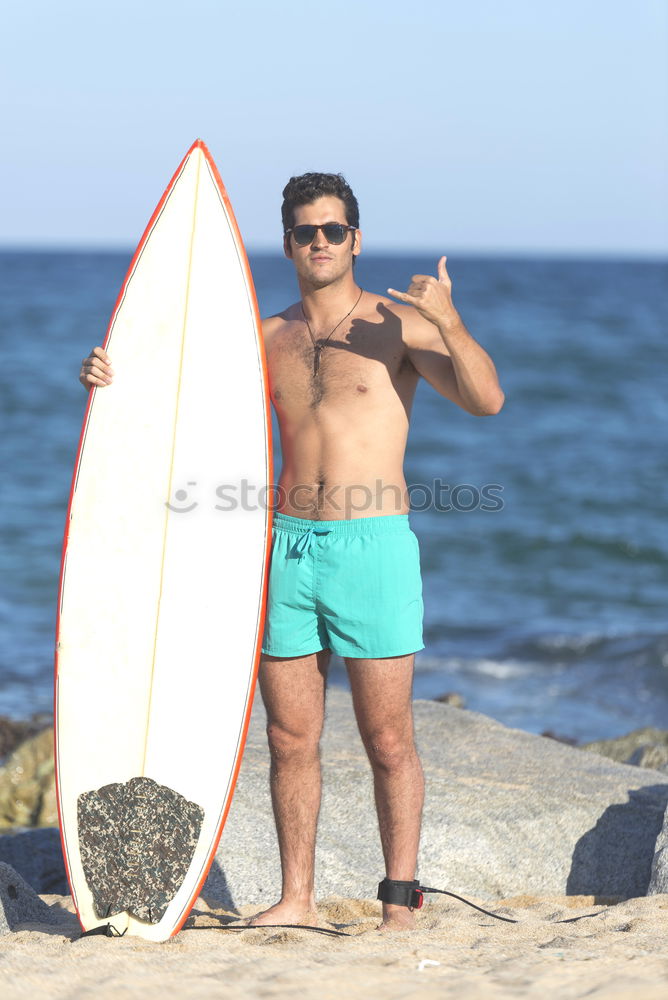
(27, 792)
(623, 747)
(37, 856)
(20, 904)
(506, 812)
(659, 876)
(451, 698)
(551, 735)
(653, 755)
(15, 731)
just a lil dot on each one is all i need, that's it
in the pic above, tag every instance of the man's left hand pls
(431, 296)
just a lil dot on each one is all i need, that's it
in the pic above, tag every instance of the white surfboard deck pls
(165, 565)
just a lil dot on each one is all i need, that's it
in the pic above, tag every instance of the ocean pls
(545, 609)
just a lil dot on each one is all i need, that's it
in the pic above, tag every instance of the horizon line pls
(574, 253)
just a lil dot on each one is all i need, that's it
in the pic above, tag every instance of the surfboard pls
(164, 570)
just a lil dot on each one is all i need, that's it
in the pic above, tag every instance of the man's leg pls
(293, 692)
(382, 699)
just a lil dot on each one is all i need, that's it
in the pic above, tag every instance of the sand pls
(563, 947)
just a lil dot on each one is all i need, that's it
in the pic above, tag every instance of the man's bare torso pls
(343, 428)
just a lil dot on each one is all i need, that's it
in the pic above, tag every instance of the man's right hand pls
(96, 369)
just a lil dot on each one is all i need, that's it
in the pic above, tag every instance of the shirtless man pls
(345, 575)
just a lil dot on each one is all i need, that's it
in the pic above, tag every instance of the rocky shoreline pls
(27, 792)
(571, 842)
(500, 802)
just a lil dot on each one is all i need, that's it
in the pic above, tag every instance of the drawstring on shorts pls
(303, 543)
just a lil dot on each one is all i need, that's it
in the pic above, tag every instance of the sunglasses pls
(334, 232)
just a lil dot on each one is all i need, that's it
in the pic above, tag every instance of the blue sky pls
(507, 126)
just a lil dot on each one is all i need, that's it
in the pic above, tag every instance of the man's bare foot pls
(286, 912)
(397, 918)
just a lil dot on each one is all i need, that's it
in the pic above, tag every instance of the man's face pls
(320, 263)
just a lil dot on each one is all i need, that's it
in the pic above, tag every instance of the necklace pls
(317, 348)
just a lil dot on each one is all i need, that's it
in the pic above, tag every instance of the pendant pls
(316, 358)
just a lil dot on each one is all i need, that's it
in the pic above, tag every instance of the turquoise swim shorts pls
(352, 586)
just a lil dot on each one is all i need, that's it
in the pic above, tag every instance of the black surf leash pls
(108, 930)
(263, 927)
(409, 894)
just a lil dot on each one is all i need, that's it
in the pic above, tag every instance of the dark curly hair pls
(307, 188)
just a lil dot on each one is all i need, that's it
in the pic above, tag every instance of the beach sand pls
(563, 947)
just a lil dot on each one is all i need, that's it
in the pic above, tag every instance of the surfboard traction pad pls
(137, 839)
